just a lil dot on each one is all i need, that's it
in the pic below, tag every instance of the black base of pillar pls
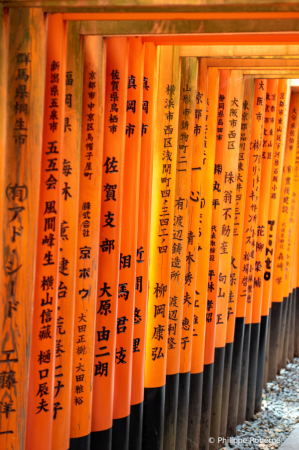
(183, 411)
(153, 418)
(217, 396)
(226, 387)
(290, 353)
(244, 375)
(205, 422)
(120, 433)
(101, 439)
(171, 411)
(265, 381)
(136, 422)
(252, 369)
(296, 338)
(195, 400)
(276, 312)
(232, 419)
(261, 363)
(294, 321)
(281, 348)
(287, 332)
(80, 443)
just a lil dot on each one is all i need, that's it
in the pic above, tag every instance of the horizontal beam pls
(241, 51)
(225, 39)
(234, 6)
(181, 16)
(277, 73)
(262, 63)
(181, 26)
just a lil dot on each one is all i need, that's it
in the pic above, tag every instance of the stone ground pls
(279, 415)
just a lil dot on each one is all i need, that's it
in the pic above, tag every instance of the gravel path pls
(279, 415)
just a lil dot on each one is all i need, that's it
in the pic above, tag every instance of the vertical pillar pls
(87, 250)
(245, 284)
(162, 211)
(142, 262)
(293, 201)
(22, 103)
(281, 110)
(261, 237)
(235, 325)
(41, 408)
(178, 277)
(290, 349)
(280, 244)
(109, 246)
(228, 193)
(69, 174)
(199, 315)
(296, 301)
(215, 234)
(208, 168)
(3, 99)
(128, 249)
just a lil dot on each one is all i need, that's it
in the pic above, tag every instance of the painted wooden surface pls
(87, 248)
(22, 89)
(70, 172)
(105, 265)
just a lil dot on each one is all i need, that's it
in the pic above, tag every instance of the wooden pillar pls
(162, 212)
(214, 290)
(128, 249)
(179, 278)
(143, 244)
(280, 245)
(69, 173)
(41, 408)
(281, 110)
(87, 251)
(22, 102)
(199, 314)
(208, 168)
(245, 285)
(235, 325)
(223, 307)
(293, 201)
(261, 237)
(108, 265)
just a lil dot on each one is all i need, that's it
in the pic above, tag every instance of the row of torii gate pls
(149, 198)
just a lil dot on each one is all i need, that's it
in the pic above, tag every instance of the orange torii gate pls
(109, 189)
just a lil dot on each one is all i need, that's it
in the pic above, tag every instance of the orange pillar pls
(143, 243)
(246, 278)
(208, 168)
(293, 196)
(214, 291)
(235, 326)
(228, 193)
(197, 328)
(42, 408)
(67, 242)
(108, 265)
(281, 239)
(179, 278)
(22, 88)
(261, 237)
(162, 211)
(87, 250)
(128, 248)
(279, 133)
